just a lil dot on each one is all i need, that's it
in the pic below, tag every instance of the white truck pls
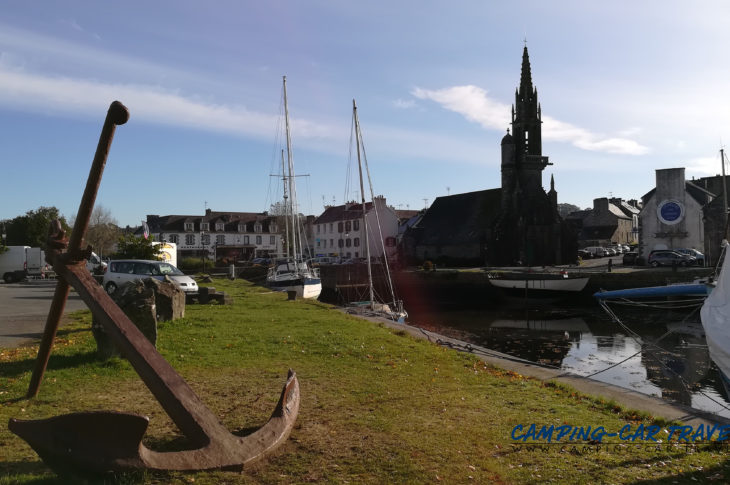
(13, 264)
(94, 264)
(35, 262)
(168, 252)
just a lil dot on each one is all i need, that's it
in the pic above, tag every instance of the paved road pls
(24, 308)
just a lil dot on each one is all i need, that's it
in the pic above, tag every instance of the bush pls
(192, 264)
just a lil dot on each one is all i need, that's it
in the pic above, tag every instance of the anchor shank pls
(116, 115)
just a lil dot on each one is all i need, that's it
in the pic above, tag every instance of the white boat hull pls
(564, 284)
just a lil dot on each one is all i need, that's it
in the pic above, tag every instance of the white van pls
(122, 271)
(13, 264)
(596, 251)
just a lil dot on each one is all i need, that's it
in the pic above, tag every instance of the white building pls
(228, 237)
(339, 230)
(671, 217)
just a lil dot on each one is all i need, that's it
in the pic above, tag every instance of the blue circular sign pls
(670, 212)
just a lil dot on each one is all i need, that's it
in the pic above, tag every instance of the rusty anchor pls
(104, 441)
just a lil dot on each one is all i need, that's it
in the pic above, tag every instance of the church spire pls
(526, 76)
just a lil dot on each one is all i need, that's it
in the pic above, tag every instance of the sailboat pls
(391, 308)
(292, 273)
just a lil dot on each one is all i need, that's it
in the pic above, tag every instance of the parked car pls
(631, 257)
(618, 248)
(119, 272)
(261, 262)
(668, 257)
(585, 254)
(596, 251)
(320, 260)
(693, 252)
(610, 251)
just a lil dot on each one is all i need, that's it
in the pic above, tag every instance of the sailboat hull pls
(306, 287)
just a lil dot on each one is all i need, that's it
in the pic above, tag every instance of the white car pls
(122, 271)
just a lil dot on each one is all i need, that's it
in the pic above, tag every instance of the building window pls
(219, 226)
(332, 243)
(241, 228)
(348, 242)
(258, 240)
(340, 243)
(348, 226)
(190, 239)
(339, 227)
(272, 240)
(356, 242)
(318, 227)
(245, 240)
(332, 228)
(220, 239)
(174, 238)
(356, 225)
(189, 226)
(204, 226)
(205, 239)
(257, 227)
(318, 242)
(272, 227)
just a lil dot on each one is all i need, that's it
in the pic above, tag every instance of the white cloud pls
(404, 104)
(473, 103)
(704, 166)
(152, 104)
(147, 103)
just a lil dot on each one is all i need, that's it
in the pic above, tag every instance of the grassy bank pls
(377, 405)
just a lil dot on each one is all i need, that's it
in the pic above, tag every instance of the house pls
(225, 236)
(714, 216)
(672, 216)
(609, 222)
(339, 230)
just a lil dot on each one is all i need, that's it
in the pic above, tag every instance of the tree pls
(103, 230)
(565, 209)
(130, 246)
(31, 229)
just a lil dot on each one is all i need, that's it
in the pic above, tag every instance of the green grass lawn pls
(377, 406)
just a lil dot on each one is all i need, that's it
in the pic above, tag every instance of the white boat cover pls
(715, 314)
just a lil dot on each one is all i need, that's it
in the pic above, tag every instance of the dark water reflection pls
(667, 357)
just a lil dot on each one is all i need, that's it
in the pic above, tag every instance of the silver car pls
(122, 271)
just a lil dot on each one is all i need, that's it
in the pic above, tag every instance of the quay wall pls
(446, 288)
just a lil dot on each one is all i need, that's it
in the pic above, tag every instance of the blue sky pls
(625, 87)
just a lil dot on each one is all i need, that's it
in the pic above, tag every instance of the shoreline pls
(627, 398)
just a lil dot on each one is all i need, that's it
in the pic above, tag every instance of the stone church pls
(517, 224)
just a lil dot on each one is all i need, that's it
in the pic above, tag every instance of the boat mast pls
(286, 207)
(292, 192)
(364, 209)
(724, 191)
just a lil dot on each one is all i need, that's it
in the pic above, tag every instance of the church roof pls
(459, 218)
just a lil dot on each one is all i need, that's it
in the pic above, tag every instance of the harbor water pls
(657, 352)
